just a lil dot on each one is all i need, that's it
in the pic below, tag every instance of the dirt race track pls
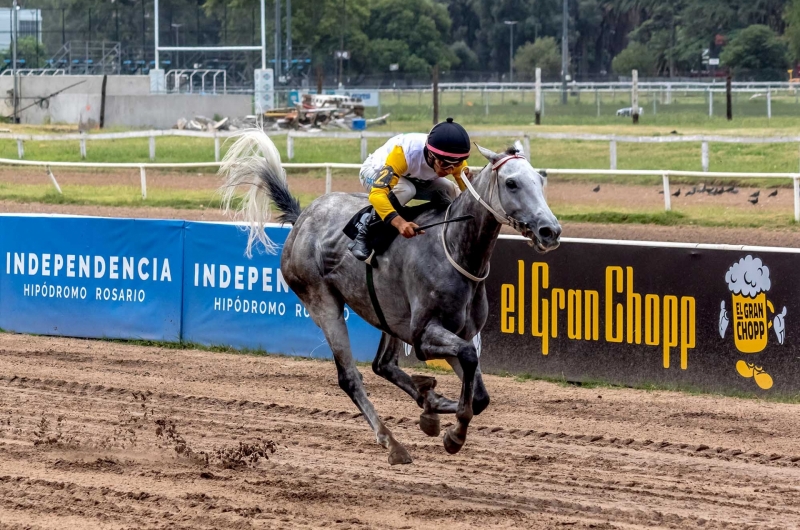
(108, 435)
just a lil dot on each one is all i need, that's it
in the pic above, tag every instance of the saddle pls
(380, 234)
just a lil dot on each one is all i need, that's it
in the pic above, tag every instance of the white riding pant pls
(405, 190)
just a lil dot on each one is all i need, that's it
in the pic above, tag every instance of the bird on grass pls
(690, 193)
(730, 189)
(677, 193)
(596, 188)
(756, 194)
(753, 201)
(773, 194)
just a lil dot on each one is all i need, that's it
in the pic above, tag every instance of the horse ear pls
(490, 155)
(520, 148)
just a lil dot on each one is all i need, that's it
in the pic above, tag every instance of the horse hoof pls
(452, 444)
(429, 424)
(399, 455)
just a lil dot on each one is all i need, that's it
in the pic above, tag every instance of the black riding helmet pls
(448, 141)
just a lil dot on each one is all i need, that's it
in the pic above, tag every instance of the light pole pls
(176, 26)
(14, 34)
(511, 24)
(564, 52)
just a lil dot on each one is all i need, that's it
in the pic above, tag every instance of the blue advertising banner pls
(91, 277)
(231, 300)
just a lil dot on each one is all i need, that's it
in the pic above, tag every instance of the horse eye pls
(511, 184)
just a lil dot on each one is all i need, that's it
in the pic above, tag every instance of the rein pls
(502, 217)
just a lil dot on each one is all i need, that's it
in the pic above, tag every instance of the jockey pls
(411, 166)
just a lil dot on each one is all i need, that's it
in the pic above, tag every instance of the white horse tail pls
(253, 161)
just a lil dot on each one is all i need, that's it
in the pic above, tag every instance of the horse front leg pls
(419, 387)
(438, 343)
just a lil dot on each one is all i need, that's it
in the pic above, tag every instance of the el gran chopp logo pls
(749, 281)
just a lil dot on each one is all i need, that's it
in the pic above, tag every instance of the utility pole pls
(277, 39)
(564, 52)
(14, 33)
(288, 35)
(510, 24)
(341, 44)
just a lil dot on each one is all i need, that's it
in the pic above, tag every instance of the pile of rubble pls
(202, 123)
(314, 112)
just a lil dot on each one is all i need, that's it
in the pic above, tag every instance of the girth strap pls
(374, 299)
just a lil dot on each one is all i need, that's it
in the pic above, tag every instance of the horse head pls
(514, 193)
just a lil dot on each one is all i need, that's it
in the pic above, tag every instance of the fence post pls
(796, 182)
(526, 143)
(363, 147)
(669, 94)
(289, 145)
(635, 96)
(667, 204)
(486, 102)
(144, 182)
(83, 147)
(328, 179)
(152, 148)
(710, 103)
(728, 104)
(769, 103)
(20, 150)
(216, 147)
(538, 103)
(597, 100)
(704, 155)
(612, 147)
(53, 180)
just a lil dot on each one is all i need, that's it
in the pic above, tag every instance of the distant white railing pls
(329, 166)
(364, 136)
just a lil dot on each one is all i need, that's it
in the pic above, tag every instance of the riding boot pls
(359, 247)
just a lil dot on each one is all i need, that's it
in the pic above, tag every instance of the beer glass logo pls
(748, 281)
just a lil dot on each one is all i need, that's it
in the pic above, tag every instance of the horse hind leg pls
(327, 312)
(419, 387)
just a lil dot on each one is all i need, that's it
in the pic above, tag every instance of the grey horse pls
(429, 287)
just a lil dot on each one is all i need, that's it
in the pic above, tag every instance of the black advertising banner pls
(693, 316)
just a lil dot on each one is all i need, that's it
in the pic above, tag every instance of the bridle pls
(501, 216)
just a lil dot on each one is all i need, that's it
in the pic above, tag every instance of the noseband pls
(502, 217)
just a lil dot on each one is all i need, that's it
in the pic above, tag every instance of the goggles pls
(446, 160)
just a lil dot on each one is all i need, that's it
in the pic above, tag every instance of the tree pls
(543, 53)
(756, 50)
(635, 57)
(467, 59)
(30, 54)
(418, 26)
(792, 19)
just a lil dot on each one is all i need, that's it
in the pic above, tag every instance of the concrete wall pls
(161, 111)
(128, 102)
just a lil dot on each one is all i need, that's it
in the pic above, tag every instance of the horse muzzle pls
(544, 239)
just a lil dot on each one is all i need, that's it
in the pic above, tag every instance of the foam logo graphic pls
(749, 281)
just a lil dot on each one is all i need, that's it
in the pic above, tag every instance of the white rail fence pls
(363, 138)
(330, 166)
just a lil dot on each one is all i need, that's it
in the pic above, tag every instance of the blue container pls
(359, 124)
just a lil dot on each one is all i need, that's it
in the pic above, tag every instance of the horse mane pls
(511, 150)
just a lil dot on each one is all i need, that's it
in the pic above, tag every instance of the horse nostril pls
(545, 233)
